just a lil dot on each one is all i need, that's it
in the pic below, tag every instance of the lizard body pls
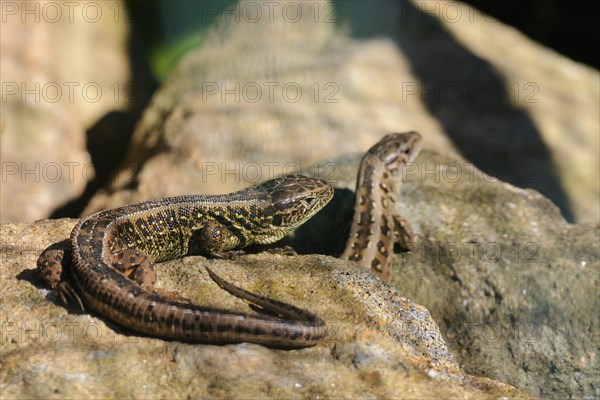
(113, 252)
(376, 224)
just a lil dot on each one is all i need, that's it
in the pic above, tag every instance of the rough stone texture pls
(560, 96)
(61, 71)
(514, 287)
(380, 344)
(472, 85)
(475, 86)
(191, 140)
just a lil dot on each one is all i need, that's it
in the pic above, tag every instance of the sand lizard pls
(376, 224)
(111, 246)
(113, 252)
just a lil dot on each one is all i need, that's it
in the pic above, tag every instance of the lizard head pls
(396, 149)
(295, 199)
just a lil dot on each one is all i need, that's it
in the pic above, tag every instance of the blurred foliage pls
(164, 56)
(171, 28)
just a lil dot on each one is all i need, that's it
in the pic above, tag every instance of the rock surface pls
(512, 286)
(561, 99)
(62, 69)
(228, 117)
(261, 98)
(380, 344)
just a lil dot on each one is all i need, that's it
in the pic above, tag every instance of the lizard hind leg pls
(50, 265)
(139, 267)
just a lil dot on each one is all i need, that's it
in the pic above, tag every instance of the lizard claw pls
(68, 295)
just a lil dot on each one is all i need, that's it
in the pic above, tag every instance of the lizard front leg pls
(215, 240)
(403, 233)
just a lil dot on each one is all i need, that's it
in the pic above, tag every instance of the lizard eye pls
(277, 220)
(310, 200)
(390, 158)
